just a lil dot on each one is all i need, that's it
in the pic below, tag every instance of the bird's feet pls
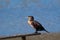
(37, 32)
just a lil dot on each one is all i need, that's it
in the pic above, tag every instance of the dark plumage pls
(35, 24)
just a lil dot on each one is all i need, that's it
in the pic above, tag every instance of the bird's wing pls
(36, 24)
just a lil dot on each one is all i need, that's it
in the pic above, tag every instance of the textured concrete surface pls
(50, 36)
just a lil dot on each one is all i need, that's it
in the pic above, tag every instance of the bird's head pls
(30, 18)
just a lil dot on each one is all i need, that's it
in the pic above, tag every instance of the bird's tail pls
(46, 31)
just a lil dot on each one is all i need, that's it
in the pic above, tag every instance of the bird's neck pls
(30, 22)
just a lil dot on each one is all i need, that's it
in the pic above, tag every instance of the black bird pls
(35, 24)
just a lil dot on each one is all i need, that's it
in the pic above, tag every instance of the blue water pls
(13, 15)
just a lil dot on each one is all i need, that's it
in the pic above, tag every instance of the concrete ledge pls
(45, 36)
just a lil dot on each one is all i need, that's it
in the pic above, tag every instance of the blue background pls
(13, 15)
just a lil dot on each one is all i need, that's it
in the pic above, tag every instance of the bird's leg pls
(36, 31)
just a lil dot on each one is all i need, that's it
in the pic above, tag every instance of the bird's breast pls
(32, 24)
(29, 22)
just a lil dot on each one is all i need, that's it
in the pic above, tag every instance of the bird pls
(35, 24)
